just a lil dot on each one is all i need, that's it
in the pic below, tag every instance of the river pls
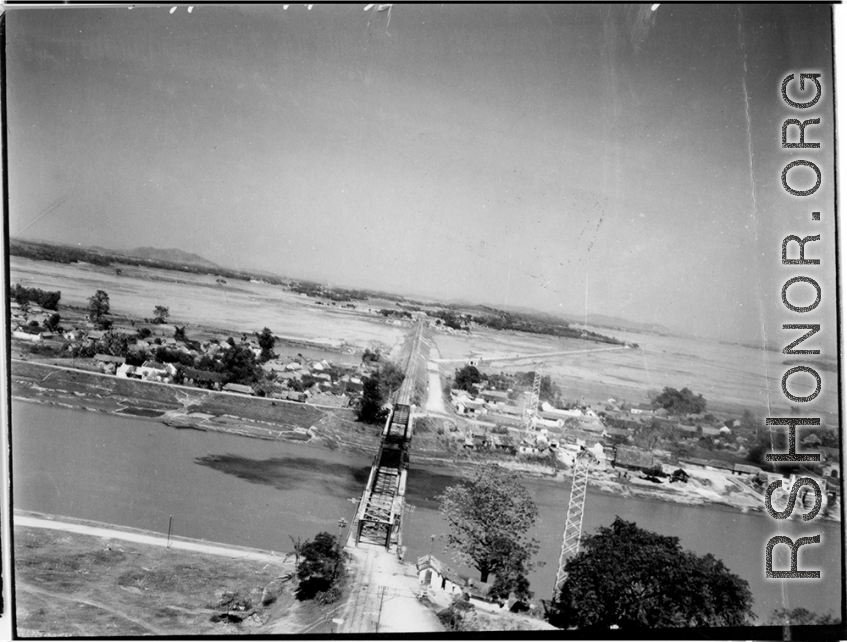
(236, 490)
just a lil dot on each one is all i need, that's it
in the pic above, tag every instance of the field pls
(81, 585)
(732, 378)
(237, 306)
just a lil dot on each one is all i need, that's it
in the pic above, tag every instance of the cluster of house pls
(623, 418)
(329, 385)
(501, 408)
(27, 322)
(326, 387)
(568, 430)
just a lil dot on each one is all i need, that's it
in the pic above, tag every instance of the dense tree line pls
(450, 319)
(333, 294)
(631, 578)
(400, 314)
(536, 324)
(47, 300)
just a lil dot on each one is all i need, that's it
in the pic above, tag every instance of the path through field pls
(140, 538)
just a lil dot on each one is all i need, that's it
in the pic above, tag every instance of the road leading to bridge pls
(376, 532)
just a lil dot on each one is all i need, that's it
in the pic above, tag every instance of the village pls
(160, 352)
(637, 448)
(695, 457)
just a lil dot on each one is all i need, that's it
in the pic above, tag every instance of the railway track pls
(378, 519)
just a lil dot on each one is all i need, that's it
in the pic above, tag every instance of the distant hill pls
(171, 255)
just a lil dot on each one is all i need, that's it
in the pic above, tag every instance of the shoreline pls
(37, 519)
(356, 438)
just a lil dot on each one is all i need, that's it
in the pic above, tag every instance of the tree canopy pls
(320, 564)
(52, 323)
(489, 518)
(377, 390)
(239, 365)
(47, 300)
(266, 341)
(98, 306)
(632, 578)
(161, 314)
(466, 378)
(679, 402)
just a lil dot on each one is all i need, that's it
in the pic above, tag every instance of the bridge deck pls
(378, 520)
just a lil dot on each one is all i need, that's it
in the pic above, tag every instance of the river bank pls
(131, 471)
(334, 428)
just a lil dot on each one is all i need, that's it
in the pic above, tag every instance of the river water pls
(247, 492)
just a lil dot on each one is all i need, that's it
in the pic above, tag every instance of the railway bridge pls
(379, 519)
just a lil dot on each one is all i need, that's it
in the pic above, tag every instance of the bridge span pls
(379, 519)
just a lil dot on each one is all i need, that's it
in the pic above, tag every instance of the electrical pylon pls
(573, 521)
(531, 408)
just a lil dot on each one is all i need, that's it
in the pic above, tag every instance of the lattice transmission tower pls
(531, 409)
(573, 521)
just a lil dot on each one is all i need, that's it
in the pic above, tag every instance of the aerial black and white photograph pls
(422, 319)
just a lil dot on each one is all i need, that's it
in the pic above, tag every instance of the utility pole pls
(382, 590)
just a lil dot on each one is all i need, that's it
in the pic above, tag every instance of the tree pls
(266, 342)
(548, 390)
(507, 585)
(160, 314)
(298, 546)
(631, 578)
(179, 333)
(377, 390)
(800, 616)
(466, 378)
(648, 436)
(238, 364)
(321, 564)
(680, 402)
(114, 343)
(52, 323)
(98, 306)
(489, 518)
(370, 410)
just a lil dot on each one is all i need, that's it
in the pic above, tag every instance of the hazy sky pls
(513, 155)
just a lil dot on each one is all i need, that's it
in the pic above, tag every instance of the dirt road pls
(153, 540)
(434, 400)
(383, 598)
